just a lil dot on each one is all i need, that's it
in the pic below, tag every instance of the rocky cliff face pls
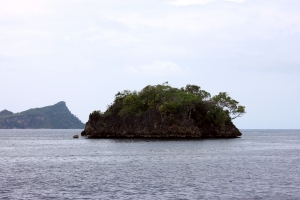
(57, 116)
(153, 125)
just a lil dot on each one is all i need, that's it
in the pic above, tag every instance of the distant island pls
(162, 111)
(56, 116)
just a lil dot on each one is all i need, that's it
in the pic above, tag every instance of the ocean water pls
(50, 164)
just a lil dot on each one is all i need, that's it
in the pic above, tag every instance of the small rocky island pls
(56, 116)
(162, 111)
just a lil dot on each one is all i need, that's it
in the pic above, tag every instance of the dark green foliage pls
(95, 115)
(230, 105)
(185, 103)
(217, 115)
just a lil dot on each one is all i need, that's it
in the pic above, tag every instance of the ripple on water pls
(50, 164)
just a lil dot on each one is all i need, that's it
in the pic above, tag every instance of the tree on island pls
(188, 103)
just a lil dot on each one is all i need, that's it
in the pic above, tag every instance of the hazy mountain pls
(5, 112)
(56, 116)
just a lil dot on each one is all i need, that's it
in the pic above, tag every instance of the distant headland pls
(162, 111)
(56, 116)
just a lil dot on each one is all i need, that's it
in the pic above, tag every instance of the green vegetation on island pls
(57, 116)
(174, 112)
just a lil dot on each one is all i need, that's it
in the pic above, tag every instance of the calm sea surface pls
(50, 164)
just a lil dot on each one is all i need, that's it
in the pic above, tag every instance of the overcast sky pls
(84, 51)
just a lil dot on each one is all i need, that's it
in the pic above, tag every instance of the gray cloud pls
(83, 52)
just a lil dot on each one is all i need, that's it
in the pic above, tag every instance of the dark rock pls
(153, 125)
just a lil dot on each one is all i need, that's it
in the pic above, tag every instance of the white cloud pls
(158, 68)
(199, 2)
